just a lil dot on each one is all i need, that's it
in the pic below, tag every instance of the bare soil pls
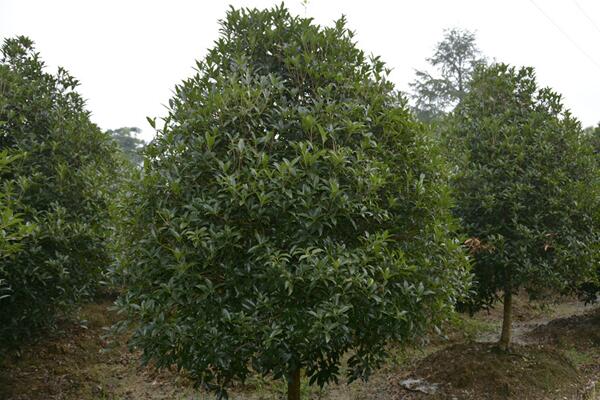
(77, 362)
(556, 355)
(483, 371)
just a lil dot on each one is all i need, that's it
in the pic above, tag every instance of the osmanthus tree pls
(291, 211)
(589, 291)
(526, 190)
(56, 177)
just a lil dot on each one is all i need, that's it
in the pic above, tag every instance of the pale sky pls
(129, 54)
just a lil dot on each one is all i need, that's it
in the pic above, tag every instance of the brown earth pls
(579, 338)
(579, 331)
(77, 362)
(556, 355)
(483, 371)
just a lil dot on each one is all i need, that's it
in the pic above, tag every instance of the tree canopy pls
(590, 290)
(527, 188)
(291, 210)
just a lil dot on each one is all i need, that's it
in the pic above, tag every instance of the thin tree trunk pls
(504, 343)
(293, 389)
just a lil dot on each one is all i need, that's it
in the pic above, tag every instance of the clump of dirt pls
(578, 336)
(578, 331)
(482, 371)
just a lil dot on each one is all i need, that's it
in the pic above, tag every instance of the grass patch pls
(580, 358)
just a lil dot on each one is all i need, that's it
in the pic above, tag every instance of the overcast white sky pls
(129, 54)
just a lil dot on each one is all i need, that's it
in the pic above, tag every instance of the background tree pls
(58, 183)
(455, 58)
(527, 190)
(590, 290)
(594, 135)
(130, 144)
(290, 211)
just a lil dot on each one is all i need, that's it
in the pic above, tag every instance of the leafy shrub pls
(58, 183)
(291, 210)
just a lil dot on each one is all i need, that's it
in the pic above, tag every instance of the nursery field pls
(299, 227)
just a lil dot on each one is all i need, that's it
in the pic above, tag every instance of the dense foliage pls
(12, 227)
(593, 134)
(291, 210)
(527, 189)
(56, 181)
(590, 290)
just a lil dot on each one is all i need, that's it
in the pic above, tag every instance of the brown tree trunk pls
(504, 342)
(293, 389)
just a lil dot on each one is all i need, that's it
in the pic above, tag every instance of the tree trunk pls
(293, 389)
(504, 343)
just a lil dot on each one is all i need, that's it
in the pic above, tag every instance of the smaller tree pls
(56, 170)
(527, 189)
(455, 59)
(129, 143)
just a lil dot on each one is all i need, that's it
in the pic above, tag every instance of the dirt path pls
(530, 319)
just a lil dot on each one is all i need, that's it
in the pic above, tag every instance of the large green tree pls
(57, 180)
(291, 211)
(527, 188)
(454, 59)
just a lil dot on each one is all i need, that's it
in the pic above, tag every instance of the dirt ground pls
(483, 371)
(77, 362)
(557, 356)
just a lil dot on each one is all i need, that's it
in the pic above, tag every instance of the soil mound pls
(578, 331)
(482, 371)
